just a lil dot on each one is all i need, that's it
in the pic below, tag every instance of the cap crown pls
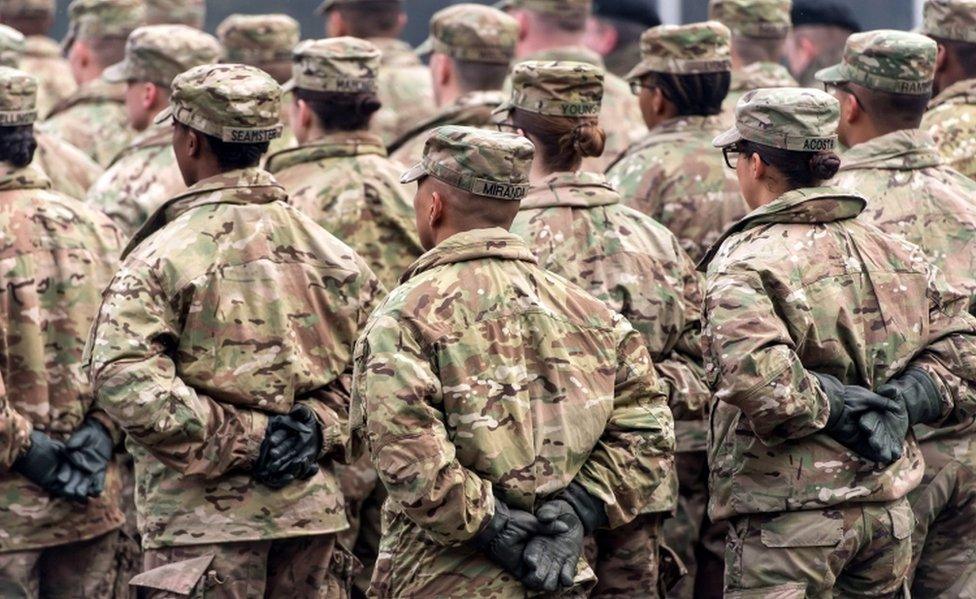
(20, 8)
(341, 65)
(328, 4)
(234, 102)
(753, 18)
(192, 13)
(685, 49)
(950, 19)
(255, 39)
(158, 53)
(12, 46)
(789, 118)
(555, 7)
(105, 18)
(566, 89)
(475, 33)
(18, 98)
(887, 61)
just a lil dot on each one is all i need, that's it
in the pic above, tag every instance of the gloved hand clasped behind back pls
(863, 421)
(290, 449)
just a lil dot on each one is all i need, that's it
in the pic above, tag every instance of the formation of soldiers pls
(287, 318)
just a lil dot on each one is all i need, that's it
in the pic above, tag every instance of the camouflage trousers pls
(944, 540)
(83, 570)
(699, 542)
(306, 567)
(364, 501)
(858, 551)
(625, 559)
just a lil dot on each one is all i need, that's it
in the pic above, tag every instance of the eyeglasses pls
(506, 128)
(831, 88)
(732, 154)
(636, 86)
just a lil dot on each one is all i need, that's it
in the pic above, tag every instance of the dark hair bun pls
(824, 165)
(589, 139)
(367, 104)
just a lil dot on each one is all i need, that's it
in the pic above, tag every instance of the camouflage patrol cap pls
(473, 33)
(553, 7)
(192, 13)
(953, 20)
(18, 98)
(158, 53)
(233, 102)
(803, 120)
(685, 50)
(567, 89)
(484, 163)
(753, 18)
(98, 19)
(888, 61)
(329, 4)
(12, 46)
(258, 39)
(340, 64)
(26, 8)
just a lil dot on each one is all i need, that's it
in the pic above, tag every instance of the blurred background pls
(873, 14)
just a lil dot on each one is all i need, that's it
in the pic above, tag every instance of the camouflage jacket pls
(620, 117)
(230, 306)
(55, 82)
(70, 170)
(802, 284)
(93, 120)
(951, 120)
(287, 140)
(405, 90)
(346, 183)
(677, 177)
(139, 180)
(57, 255)
(755, 76)
(578, 229)
(470, 110)
(466, 380)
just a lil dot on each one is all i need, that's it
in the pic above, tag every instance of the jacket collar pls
(156, 136)
(960, 92)
(761, 74)
(571, 53)
(573, 190)
(690, 123)
(901, 150)
(476, 244)
(240, 187)
(336, 145)
(395, 52)
(97, 90)
(13, 178)
(811, 205)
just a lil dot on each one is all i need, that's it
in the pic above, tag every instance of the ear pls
(851, 109)
(150, 93)
(402, 20)
(336, 26)
(523, 21)
(941, 59)
(658, 101)
(436, 214)
(82, 53)
(193, 144)
(440, 68)
(604, 38)
(757, 167)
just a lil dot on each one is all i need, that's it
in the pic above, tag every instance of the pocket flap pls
(902, 520)
(178, 577)
(793, 590)
(802, 529)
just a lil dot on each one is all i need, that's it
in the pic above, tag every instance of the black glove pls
(290, 449)
(89, 450)
(41, 462)
(553, 554)
(591, 510)
(505, 537)
(859, 420)
(916, 391)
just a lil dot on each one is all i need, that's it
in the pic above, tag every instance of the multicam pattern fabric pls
(93, 120)
(888, 61)
(42, 58)
(801, 283)
(951, 120)
(87, 568)
(758, 75)
(562, 89)
(139, 181)
(97, 19)
(21, 8)
(675, 176)
(339, 65)
(685, 50)
(57, 255)
(192, 13)
(256, 39)
(405, 90)
(577, 228)
(474, 33)
(950, 19)
(802, 120)
(345, 183)
(18, 94)
(230, 306)
(620, 115)
(70, 170)
(12, 46)
(753, 18)
(557, 7)
(158, 53)
(470, 110)
(465, 379)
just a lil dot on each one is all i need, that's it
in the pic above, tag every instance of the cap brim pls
(425, 48)
(637, 72)
(323, 7)
(164, 116)
(117, 73)
(503, 4)
(415, 173)
(289, 86)
(67, 42)
(503, 108)
(729, 137)
(832, 74)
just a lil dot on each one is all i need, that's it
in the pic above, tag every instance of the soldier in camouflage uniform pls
(192, 13)
(265, 42)
(577, 228)
(673, 174)
(43, 57)
(58, 255)
(404, 81)
(225, 337)
(70, 170)
(340, 175)
(145, 175)
(951, 118)
(759, 31)
(471, 48)
(553, 30)
(915, 196)
(467, 378)
(806, 310)
(93, 119)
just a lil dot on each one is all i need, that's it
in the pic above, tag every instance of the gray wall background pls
(874, 14)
